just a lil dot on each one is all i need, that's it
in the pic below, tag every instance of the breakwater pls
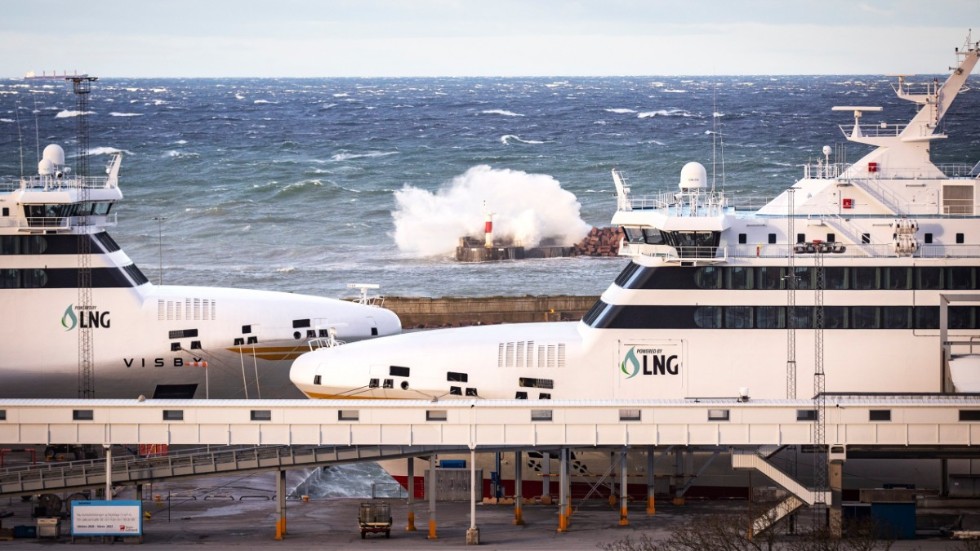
(423, 312)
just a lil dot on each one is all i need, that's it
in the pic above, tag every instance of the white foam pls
(527, 209)
(503, 112)
(69, 113)
(507, 139)
(620, 110)
(117, 114)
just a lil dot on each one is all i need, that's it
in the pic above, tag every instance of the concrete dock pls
(239, 512)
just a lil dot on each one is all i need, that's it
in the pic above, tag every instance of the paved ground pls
(243, 516)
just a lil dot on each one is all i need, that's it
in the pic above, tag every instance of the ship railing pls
(845, 250)
(821, 170)
(62, 223)
(708, 204)
(317, 343)
(874, 130)
(54, 183)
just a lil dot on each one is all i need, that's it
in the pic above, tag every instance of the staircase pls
(799, 494)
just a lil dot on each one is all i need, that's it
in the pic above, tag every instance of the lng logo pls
(89, 319)
(649, 361)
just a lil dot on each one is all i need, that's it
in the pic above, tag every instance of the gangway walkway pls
(128, 469)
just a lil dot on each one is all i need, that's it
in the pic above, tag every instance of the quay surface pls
(239, 512)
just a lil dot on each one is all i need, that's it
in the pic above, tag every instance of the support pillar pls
(563, 491)
(545, 474)
(108, 472)
(651, 482)
(623, 494)
(280, 504)
(679, 476)
(473, 534)
(410, 527)
(835, 476)
(518, 489)
(431, 490)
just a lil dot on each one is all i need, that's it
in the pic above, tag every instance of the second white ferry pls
(864, 272)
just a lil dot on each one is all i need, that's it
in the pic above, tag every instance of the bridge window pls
(398, 371)
(708, 277)
(456, 377)
(455, 391)
(629, 415)
(175, 347)
(3, 415)
(374, 383)
(806, 415)
(897, 278)
(708, 317)
(299, 324)
(770, 317)
(389, 383)
(195, 345)
(544, 396)
(864, 317)
(530, 382)
(772, 239)
(173, 415)
(317, 379)
(738, 317)
(88, 415)
(261, 415)
(471, 392)
(718, 415)
(541, 415)
(436, 415)
(970, 415)
(520, 395)
(183, 334)
(880, 415)
(348, 415)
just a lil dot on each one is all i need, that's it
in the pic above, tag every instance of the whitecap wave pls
(265, 101)
(71, 113)
(286, 269)
(620, 110)
(664, 113)
(507, 139)
(345, 156)
(503, 112)
(118, 114)
(107, 151)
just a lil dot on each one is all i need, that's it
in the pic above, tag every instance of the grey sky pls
(275, 38)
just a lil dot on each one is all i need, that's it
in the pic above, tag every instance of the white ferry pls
(61, 274)
(848, 273)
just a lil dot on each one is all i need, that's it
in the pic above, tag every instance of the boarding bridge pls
(294, 433)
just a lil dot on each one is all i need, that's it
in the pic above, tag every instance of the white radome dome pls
(693, 176)
(55, 154)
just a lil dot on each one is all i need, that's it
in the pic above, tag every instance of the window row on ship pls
(835, 278)
(66, 278)
(51, 244)
(618, 316)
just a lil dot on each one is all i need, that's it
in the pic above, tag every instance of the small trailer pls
(375, 518)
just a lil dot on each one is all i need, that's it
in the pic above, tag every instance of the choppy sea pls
(305, 185)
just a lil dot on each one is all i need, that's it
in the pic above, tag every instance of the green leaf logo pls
(634, 363)
(69, 320)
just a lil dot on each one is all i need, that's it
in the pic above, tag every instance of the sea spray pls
(527, 208)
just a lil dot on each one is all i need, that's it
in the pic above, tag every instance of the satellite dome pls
(55, 154)
(45, 167)
(693, 176)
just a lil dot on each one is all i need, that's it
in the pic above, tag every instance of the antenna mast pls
(82, 87)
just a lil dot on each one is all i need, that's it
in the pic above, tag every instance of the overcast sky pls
(321, 38)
